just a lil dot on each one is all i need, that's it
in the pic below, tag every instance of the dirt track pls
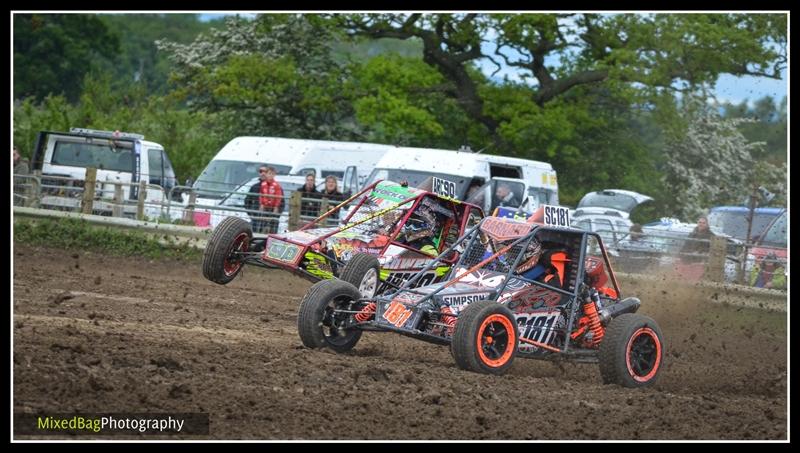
(142, 336)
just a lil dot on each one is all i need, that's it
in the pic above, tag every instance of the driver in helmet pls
(531, 268)
(419, 231)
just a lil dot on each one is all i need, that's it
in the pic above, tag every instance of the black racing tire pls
(632, 351)
(233, 234)
(493, 326)
(364, 272)
(315, 323)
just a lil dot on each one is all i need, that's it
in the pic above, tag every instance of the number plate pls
(444, 188)
(397, 314)
(556, 216)
(283, 251)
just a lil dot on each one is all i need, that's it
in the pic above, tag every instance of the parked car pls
(607, 212)
(770, 248)
(733, 220)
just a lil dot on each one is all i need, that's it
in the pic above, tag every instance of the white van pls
(471, 176)
(119, 157)
(239, 160)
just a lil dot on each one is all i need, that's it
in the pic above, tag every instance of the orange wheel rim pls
(643, 354)
(495, 340)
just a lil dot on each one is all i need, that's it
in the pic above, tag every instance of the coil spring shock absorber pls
(595, 327)
(366, 313)
(448, 318)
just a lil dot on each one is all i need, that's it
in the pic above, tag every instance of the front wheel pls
(363, 271)
(632, 351)
(485, 338)
(320, 324)
(223, 257)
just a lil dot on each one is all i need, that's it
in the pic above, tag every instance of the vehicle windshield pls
(507, 194)
(419, 179)
(101, 154)
(221, 177)
(776, 235)
(612, 200)
(734, 223)
(539, 196)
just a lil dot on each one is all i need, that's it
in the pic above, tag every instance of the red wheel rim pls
(495, 340)
(643, 354)
(232, 264)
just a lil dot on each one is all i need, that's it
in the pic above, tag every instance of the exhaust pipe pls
(627, 305)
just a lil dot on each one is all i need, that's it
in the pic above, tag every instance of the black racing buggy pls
(529, 289)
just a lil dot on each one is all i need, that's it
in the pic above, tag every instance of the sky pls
(728, 88)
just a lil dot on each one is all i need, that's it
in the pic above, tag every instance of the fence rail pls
(713, 260)
(178, 204)
(717, 259)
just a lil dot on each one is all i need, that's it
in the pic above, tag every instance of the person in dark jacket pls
(698, 243)
(309, 191)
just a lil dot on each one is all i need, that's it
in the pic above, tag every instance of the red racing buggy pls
(390, 234)
(527, 289)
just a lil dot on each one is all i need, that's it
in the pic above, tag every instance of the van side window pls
(156, 163)
(505, 171)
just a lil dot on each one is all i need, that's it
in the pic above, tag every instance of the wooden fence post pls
(140, 200)
(88, 190)
(294, 210)
(117, 209)
(715, 270)
(188, 213)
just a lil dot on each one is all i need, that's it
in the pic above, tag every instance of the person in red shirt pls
(270, 199)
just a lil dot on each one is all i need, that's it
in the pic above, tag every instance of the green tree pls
(138, 60)
(769, 125)
(274, 75)
(190, 138)
(53, 52)
(710, 162)
(635, 54)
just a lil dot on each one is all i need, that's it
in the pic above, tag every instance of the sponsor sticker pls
(501, 229)
(462, 299)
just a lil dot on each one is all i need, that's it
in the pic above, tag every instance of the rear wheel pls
(485, 338)
(631, 353)
(223, 257)
(319, 325)
(363, 271)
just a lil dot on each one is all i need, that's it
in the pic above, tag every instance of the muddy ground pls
(94, 333)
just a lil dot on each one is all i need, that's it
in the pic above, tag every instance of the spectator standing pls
(309, 190)
(331, 190)
(269, 196)
(698, 243)
(21, 167)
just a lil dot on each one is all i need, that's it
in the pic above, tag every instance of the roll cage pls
(576, 287)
